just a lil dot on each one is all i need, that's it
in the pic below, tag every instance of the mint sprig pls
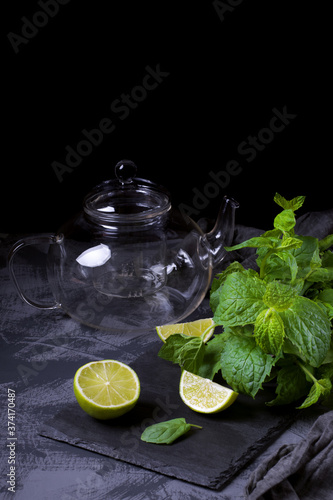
(277, 322)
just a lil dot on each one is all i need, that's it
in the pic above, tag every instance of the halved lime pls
(192, 329)
(106, 389)
(203, 395)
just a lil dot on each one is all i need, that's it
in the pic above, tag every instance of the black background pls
(226, 73)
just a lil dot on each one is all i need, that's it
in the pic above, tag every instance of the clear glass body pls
(129, 261)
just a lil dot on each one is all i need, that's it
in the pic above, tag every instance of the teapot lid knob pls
(125, 170)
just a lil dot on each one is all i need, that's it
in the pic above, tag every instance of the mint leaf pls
(289, 243)
(285, 221)
(256, 242)
(293, 204)
(280, 200)
(307, 256)
(322, 274)
(273, 233)
(320, 388)
(166, 432)
(240, 300)
(327, 259)
(326, 296)
(211, 362)
(290, 348)
(219, 280)
(325, 299)
(244, 365)
(307, 327)
(269, 331)
(297, 202)
(326, 243)
(186, 351)
(279, 295)
(173, 346)
(326, 307)
(221, 277)
(326, 371)
(291, 385)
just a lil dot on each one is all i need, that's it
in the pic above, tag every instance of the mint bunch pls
(276, 322)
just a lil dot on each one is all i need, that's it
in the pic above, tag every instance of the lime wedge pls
(106, 389)
(204, 396)
(192, 329)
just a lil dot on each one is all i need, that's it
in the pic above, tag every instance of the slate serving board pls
(209, 457)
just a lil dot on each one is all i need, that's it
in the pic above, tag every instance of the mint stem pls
(306, 371)
(197, 426)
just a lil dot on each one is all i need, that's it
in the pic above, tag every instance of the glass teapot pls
(130, 261)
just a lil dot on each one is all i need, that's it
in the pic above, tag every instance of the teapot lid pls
(126, 199)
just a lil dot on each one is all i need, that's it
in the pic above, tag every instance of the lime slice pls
(204, 396)
(192, 329)
(106, 389)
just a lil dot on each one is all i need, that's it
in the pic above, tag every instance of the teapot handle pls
(31, 240)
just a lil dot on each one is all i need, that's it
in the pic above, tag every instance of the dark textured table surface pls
(40, 352)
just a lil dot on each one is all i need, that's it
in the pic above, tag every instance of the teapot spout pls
(222, 233)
